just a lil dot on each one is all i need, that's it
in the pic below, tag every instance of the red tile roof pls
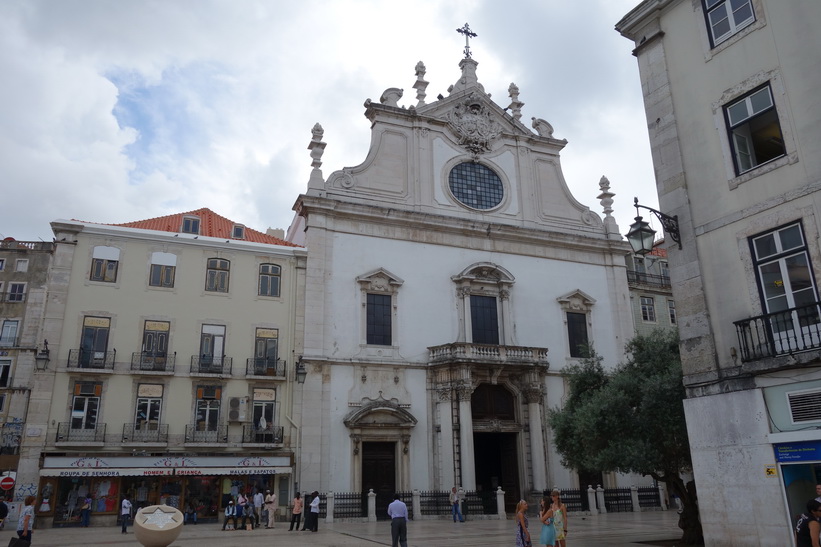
(211, 225)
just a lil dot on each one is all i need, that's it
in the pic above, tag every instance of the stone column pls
(663, 496)
(371, 506)
(634, 496)
(468, 481)
(445, 417)
(417, 505)
(591, 499)
(500, 503)
(329, 507)
(534, 396)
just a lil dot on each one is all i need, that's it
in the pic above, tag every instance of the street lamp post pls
(641, 236)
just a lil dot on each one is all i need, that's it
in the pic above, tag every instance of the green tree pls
(631, 420)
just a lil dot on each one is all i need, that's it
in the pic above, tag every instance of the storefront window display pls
(66, 500)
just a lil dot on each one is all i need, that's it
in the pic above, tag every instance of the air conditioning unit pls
(238, 409)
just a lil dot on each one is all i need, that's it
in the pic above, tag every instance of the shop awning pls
(159, 471)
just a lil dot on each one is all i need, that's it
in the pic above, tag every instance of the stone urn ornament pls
(157, 525)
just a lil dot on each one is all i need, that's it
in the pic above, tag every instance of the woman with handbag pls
(522, 533)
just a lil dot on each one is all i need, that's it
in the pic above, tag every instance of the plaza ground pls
(610, 530)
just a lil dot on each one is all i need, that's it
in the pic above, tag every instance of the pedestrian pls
(125, 511)
(313, 525)
(808, 528)
(398, 512)
(248, 514)
(296, 512)
(522, 533)
(271, 508)
(259, 505)
(455, 502)
(230, 514)
(190, 512)
(559, 517)
(25, 522)
(548, 534)
(4, 513)
(85, 512)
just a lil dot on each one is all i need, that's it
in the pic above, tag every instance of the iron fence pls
(575, 499)
(211, 364)
(263, 366)
(435, 503)
(781, 333)
(479, 503)
(351, 505)
(270, 434)
(649, 497)
(145, 432)
(204, 433)
(618, 500)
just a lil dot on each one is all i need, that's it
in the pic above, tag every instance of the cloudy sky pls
(120, 111)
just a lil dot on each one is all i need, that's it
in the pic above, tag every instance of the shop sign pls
(798, 452)
(104, 472)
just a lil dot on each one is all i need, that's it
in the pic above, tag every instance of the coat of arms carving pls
(473, 123)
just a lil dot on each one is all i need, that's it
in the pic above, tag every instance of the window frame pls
(12, 293)
(382, 282)
(21, 265)
(238, 231)
(190, 225)
(217, 277)
(713, 6)
(579, 319)
(5, 372)
(94, 396)
(740, 129)
(275, 273)
(671, 311)
(378, 319)
(9, 341)
(648, 309)
(2, 264)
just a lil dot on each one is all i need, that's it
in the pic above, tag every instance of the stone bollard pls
(500, 503)
(329, 507)
(462, 496)
(591, 499)
(663, 496)
(600, 499)
(417, 505)
(634, 496)
(371, 506)
(157, 525)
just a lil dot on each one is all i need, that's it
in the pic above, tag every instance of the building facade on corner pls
(651, 296)
(451, 277)
(731, 97)
(171, 367)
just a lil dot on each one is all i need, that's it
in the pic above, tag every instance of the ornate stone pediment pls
(379, 280)
(576, 301)
(380, 413)
(474, 124)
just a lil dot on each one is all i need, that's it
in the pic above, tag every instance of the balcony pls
(211, 364)
(95, 360)
(206, 434)
(781, 333)
(462, 352)
(147, 431)
(648, 280)
(151, 362)
(271, 434)
(265, 367)
(88, 434)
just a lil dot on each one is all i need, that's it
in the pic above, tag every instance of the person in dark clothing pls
(808, 528)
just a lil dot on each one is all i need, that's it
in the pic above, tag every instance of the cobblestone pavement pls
(611, 530)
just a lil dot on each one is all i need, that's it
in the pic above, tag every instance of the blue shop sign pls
(805, 451)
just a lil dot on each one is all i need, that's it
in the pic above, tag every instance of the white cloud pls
(217, 99)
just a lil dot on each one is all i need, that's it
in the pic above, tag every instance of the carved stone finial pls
(515, 104)
(317, 148)
(543, 128)
(420, 84)
(606, 200)
(391, 96)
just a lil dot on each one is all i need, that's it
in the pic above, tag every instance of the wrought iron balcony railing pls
(81, 433)
(83, 358)
(143, 360)
(652, 280)
(263, 366)
(211, 364)
(146, 431)
(271, 434)
(206, 433)
(781, 333)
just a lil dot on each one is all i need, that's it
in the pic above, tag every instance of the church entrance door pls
(496, 461)
(379, 473)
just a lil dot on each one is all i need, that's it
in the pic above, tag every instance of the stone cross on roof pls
(468, 35)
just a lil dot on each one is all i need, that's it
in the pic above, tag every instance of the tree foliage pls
(631, 420)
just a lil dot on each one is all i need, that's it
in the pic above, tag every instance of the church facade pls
(451, 277)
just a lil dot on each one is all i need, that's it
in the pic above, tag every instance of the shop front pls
(205, 485)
